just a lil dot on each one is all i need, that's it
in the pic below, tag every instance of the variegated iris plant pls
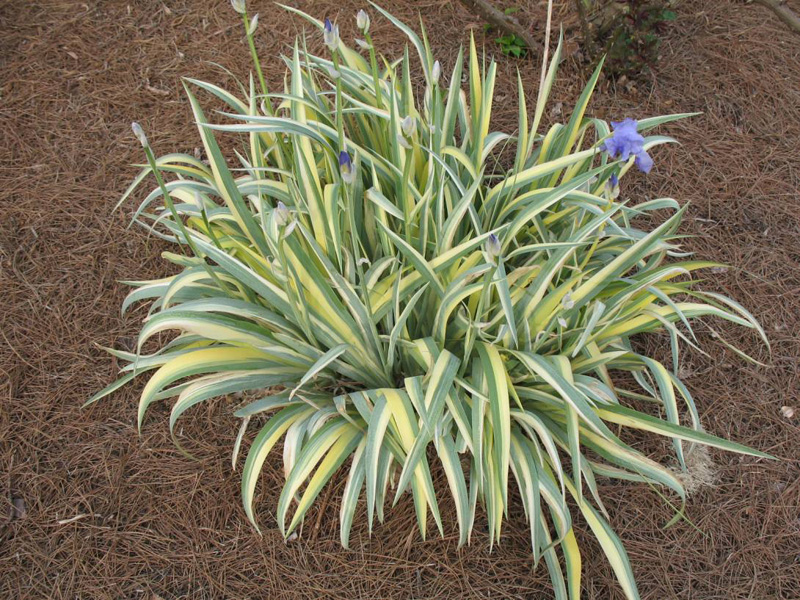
(403, 306)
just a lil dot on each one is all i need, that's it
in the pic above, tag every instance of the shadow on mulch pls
(91, 510)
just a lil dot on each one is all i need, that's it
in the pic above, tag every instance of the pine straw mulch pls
(143, 521)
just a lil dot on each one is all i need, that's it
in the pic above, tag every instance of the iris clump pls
(396, 305)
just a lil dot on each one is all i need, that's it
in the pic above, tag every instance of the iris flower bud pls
(493, 246)
(612, 186)
(436, 72)
(362, 20)
(238, 6)
(409, 126)
(139, 133)
(253, 24)
(331, 35)
(282, 215)
(346, 168)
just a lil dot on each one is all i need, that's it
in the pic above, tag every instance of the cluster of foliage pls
(510, 43)
(396, 297)
(627, 32)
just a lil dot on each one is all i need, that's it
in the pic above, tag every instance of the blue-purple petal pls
(644, 162)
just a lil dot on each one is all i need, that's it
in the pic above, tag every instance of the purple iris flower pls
(346, 167)
(626, 141)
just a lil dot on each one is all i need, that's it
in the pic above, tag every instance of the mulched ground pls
(109, 514)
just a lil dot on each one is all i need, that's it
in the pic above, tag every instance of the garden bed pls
(110, 514)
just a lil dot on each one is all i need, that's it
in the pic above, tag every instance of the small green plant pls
(627, 32)
(390, 295)
(512, 45)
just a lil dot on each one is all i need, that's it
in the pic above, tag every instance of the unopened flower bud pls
(436, 72)
(362, 20)
(409, 126)
(346, 168)
(612, 186)
(282, 214)
(567, 302)
(139, 133)
(493, 246)
(331, 35)
(253, 24)
(238, 6)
